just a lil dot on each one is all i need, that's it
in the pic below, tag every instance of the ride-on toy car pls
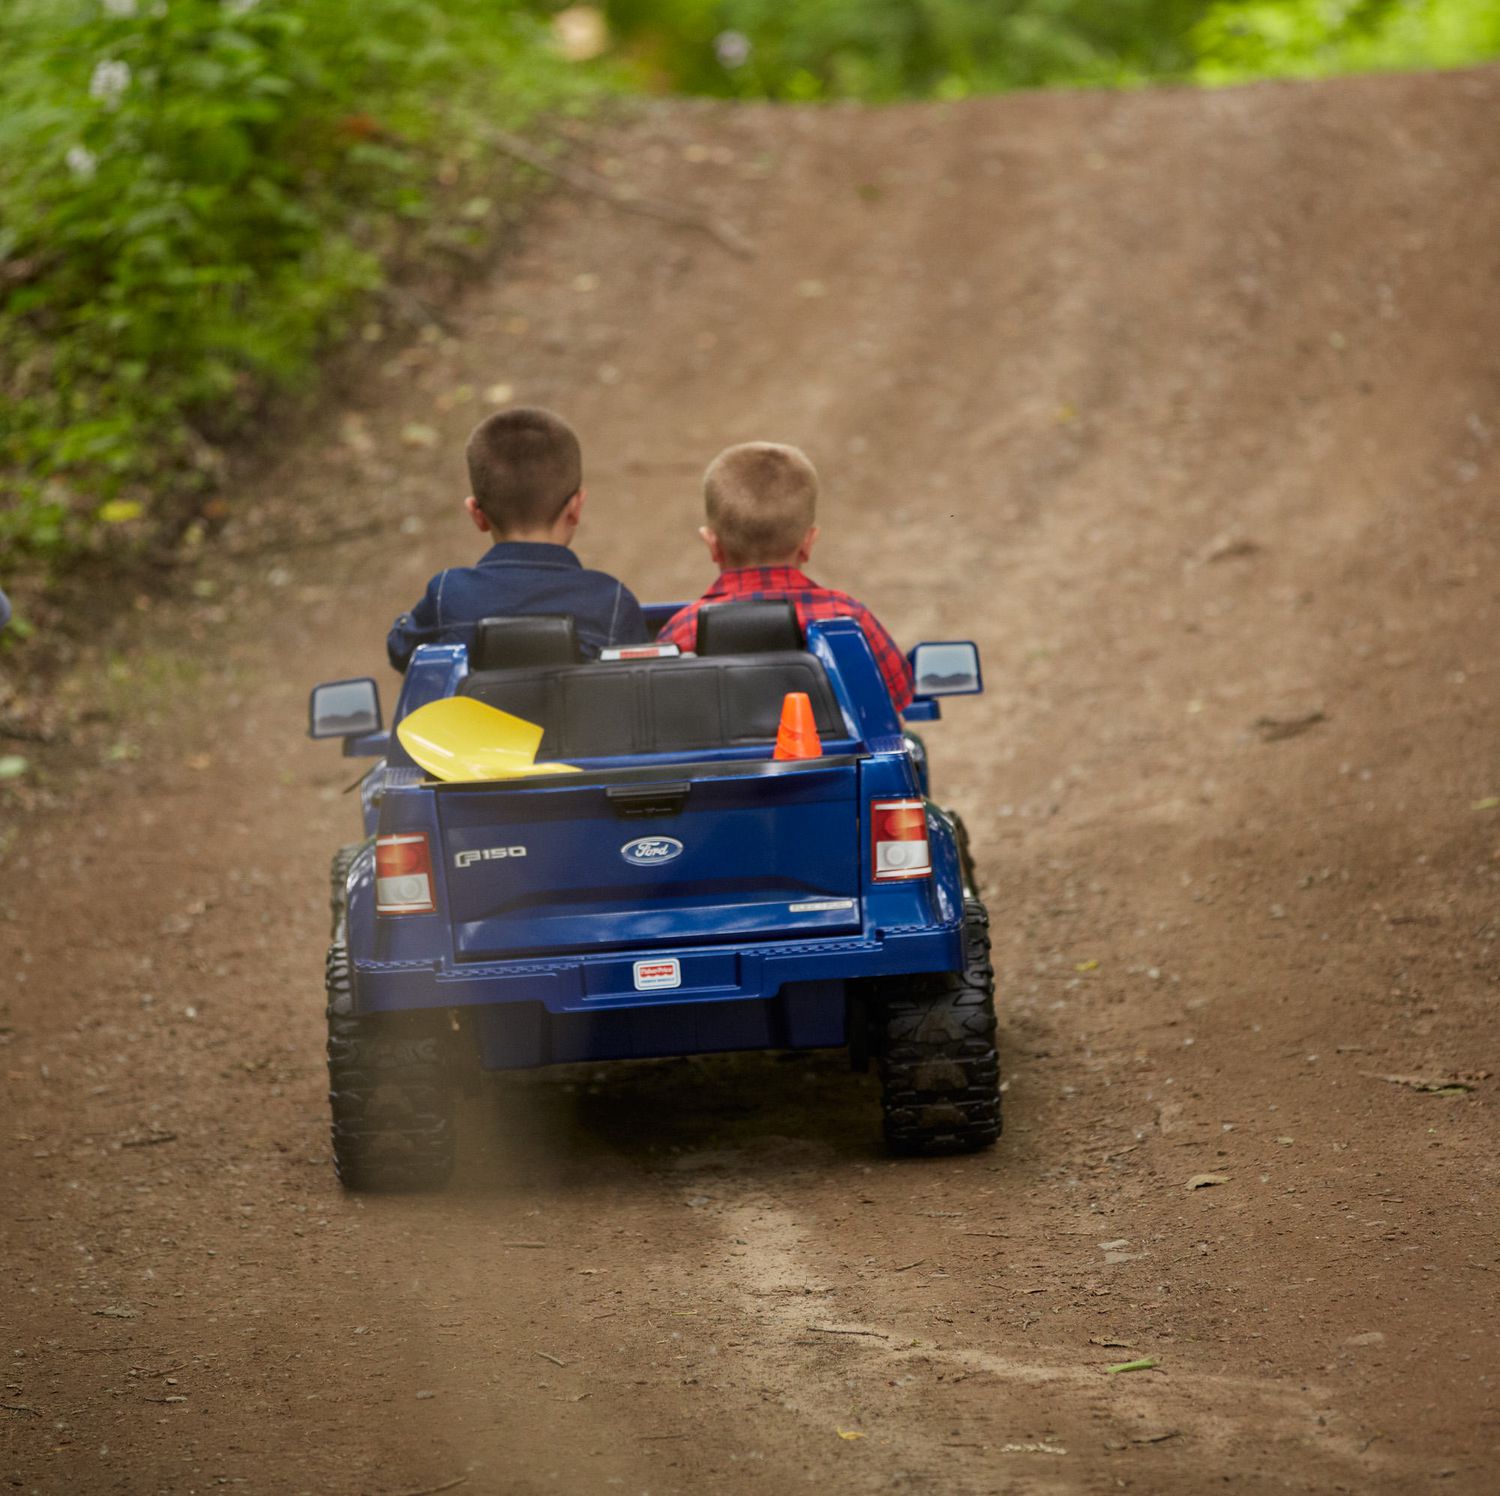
(696, 861)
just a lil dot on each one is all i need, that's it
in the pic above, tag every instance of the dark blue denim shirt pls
(519, 576)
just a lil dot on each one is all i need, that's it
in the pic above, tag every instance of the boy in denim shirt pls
(526, 476)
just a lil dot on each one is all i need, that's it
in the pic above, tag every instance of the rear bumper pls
(607, 982)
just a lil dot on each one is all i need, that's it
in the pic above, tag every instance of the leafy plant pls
(1243, 39)
(193, 194)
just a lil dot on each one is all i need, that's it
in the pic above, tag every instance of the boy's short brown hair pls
(524, 465)
(760, 498)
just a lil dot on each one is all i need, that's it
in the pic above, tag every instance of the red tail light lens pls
(899, 836)
(403, 874)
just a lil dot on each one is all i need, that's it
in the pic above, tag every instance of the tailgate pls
(726, 852)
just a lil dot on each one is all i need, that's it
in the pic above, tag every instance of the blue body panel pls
(754, 896)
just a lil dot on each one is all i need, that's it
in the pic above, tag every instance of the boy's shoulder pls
(832, 601)
(595, 575)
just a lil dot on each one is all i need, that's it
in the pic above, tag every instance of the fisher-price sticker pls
(651, 976)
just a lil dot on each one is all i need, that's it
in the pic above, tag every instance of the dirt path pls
(1185, 406)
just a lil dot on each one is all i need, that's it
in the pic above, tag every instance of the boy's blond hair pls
(760, 499)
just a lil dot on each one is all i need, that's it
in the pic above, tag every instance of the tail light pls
(900, 840)
(403, 875)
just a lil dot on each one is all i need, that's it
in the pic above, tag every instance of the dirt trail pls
(1185, 406)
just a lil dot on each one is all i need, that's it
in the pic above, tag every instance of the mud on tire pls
(939, 1069)
(390, 1087)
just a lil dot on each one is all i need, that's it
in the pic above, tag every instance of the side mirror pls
(947, 669)
(344, 708)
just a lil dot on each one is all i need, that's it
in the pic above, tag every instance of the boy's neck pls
(786, 563)
(532, 537)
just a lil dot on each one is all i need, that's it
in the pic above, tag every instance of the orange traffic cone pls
(797, 737)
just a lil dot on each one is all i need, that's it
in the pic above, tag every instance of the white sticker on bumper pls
(651, 976)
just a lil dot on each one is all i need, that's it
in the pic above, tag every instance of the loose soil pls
(1185, 406)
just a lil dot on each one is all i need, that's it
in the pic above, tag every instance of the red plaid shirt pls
(758, 583)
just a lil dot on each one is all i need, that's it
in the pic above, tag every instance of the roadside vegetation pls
(889, 49)
(196, 196)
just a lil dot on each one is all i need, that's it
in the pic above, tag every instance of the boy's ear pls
(475, 513)
(567, 518)
(804, 550)
(715, 548)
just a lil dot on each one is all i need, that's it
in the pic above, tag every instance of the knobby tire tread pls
(939, 1066)
(391, 1093)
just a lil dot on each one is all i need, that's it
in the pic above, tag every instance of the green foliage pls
(1238, 40)
(886, 49)
(192, 195)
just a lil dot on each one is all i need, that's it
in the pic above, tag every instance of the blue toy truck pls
(684, 892)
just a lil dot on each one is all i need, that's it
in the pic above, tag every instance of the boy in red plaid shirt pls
(760, 499)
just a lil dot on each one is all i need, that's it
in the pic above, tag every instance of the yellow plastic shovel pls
(462, 741)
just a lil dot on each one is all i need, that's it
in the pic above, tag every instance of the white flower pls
(732, 48)
(122, 9)
(82, 162)
(580, 32)
(237, 8)
(110, 80)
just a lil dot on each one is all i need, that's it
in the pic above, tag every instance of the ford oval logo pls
(647, 851)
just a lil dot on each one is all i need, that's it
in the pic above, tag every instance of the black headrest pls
(529, 639)
(757, 626)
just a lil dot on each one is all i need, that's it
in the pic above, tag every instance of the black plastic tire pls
(390, 1087)
(338, 877)
(939, 1068)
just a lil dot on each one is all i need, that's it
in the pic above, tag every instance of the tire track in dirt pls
(1184, 405)
(1004, 1416)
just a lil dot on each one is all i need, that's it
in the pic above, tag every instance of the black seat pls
(659, 706)
(756, 626)
(514, 643)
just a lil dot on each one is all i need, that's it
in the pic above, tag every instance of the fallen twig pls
(447, 1485)
(151, 1141)
(1446, 1085)
(22, 734)
(835, 1330)
(280, 544)
(583, 180)
(523, 1244)
(548, 1356)
(1274, 729)
(21, 1408)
